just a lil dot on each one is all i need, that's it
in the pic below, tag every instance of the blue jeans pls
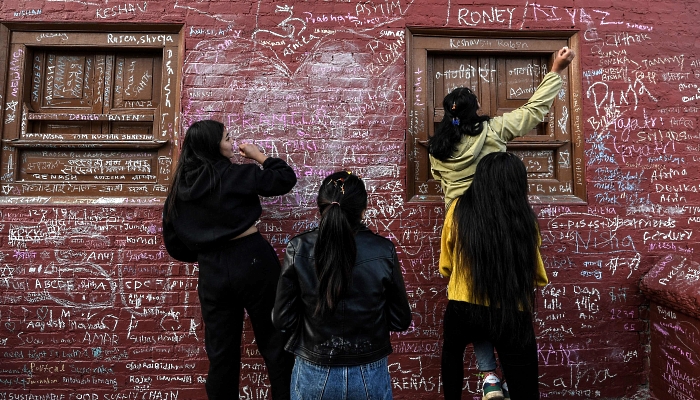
(322, 382)
(483, 351)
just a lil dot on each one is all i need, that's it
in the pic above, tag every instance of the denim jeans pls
(483, 351)
(322, 382)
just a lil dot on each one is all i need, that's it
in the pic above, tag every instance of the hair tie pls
(455, 121)
(335, 202)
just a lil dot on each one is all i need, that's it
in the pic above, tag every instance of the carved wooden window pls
(503, 70)
(89, 114)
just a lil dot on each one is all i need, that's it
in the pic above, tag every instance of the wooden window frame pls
(119, 38)
(418, 104)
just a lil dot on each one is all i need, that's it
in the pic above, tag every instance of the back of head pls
(342, 199)
(202, 141)
(498, 238)
(461, 118)
(200, 148)
(501, 177)
(346, 191)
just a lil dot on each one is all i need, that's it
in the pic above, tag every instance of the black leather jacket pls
(358, 331)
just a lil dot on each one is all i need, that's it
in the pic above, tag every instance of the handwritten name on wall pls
(91, 301)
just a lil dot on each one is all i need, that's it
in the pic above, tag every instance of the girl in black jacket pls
(340, 294)
(209, 217)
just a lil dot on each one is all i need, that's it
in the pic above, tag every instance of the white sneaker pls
(491, 388)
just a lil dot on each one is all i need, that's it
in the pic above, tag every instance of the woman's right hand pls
(250, 150)
(564, 57)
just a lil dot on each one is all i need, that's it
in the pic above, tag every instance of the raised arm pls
(276, 178)
(523, 119)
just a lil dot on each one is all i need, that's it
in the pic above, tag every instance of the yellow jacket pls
(459, 288)
(457, 172)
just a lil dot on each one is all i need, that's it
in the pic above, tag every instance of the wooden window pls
(503, 69)
(89, 113)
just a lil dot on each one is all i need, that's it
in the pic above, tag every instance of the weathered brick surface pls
(675, 345)
(674, 320)
(91, 306)
(673, 281)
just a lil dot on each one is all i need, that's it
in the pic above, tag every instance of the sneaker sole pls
(493, 396)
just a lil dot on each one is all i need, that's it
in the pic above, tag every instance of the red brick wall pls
(90, 301)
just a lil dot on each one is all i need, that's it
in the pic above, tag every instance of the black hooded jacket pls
(215, 205)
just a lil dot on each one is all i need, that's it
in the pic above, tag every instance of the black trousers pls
(243, 275)
(518, 358)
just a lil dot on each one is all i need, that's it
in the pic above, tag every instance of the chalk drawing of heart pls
(256, 93)
(92, 279)
(291, 34)
(10, 326)
(313, 118)
(42, 312)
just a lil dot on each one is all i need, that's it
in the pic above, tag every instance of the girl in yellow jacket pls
(461, 141)
(490, 251)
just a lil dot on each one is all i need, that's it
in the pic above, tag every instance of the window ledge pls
(77, 144)
(66, 200)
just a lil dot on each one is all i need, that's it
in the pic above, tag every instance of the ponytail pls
(341, 200)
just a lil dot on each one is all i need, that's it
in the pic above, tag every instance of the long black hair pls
(460, 119)
(200, 149)
(497, 240)
(341, 201)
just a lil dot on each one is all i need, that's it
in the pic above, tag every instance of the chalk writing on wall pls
(89, 299)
